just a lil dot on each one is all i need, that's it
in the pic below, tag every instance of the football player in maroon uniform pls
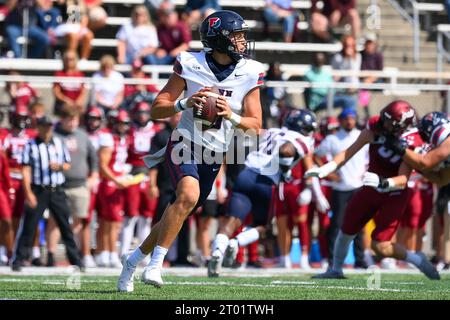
(383, 196)
(139, 206)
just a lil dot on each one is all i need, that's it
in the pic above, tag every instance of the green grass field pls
(91, 287)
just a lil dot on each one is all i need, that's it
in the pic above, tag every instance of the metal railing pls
(443, 34)
(299, 86)
(416, 8)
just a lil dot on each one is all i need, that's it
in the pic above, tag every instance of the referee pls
(44, 159)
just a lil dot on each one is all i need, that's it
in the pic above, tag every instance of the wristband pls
(387, 183)
(180, 105)
(235, 119)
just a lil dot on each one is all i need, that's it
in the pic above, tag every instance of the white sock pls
(127, 234)
(158, 257)
(413, 258)
(220, 244)
(136, 257)
(247, 236)
(287, 261)
(36, 253)
(341, 249)
(3, 251)
(113, 256)
(104, 256)
(143, 228)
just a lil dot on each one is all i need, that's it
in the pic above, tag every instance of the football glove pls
(396, 144)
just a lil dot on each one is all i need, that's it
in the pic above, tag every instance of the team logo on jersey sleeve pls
(260, 79)
(213, 23)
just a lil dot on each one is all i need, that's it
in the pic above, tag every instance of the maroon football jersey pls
(383, 161)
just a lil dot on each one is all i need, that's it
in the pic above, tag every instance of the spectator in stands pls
(96, 14)
(138, 39)
(38, 39)
(49, 17)
(271, 110)
(20, 92)
(74, 28)
(327, 15)
(196, 11)
(371, 59)
(277, 11)
(78, 180)
(135, 93)
(107, 91)
(348, 59)
(316, 98)
(174, 35)
(72, 94)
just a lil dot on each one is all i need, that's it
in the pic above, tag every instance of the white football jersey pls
(194, 69)
(265, 160)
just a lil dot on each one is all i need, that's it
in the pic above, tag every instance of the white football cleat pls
(304, 263)
(114, 261)
(152, 276)
(102, 259)
(125, 283)
(230, 253)
(89, 262)
(215, 265)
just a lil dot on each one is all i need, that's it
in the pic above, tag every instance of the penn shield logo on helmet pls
(214, 23)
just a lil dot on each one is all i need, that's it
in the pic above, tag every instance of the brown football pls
(206, 113)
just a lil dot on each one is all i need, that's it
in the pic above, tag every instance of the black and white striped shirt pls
(38, 155)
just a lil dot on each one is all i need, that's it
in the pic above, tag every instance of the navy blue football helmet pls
(302, 121)
(430, 122)
(216, 30)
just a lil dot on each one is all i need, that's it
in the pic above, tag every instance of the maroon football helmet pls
(93, 117)
(397, 116)
(328, 124)
(20, 117)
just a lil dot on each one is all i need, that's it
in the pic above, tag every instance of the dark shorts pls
(205, 173)
(211, 208)
(253, 193)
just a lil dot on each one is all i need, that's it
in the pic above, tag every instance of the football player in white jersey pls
(434, 128)
(223, 63)
(279, 151)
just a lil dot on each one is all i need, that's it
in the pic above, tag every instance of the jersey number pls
(386, 153)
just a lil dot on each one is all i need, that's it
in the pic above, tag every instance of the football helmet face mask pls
(301, 121)
(20, 117)
(397, 117)
(94, 117)
(429, 122)
(226, 32)
(141, 113)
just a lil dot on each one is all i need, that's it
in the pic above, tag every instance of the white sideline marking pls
(196, 272)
